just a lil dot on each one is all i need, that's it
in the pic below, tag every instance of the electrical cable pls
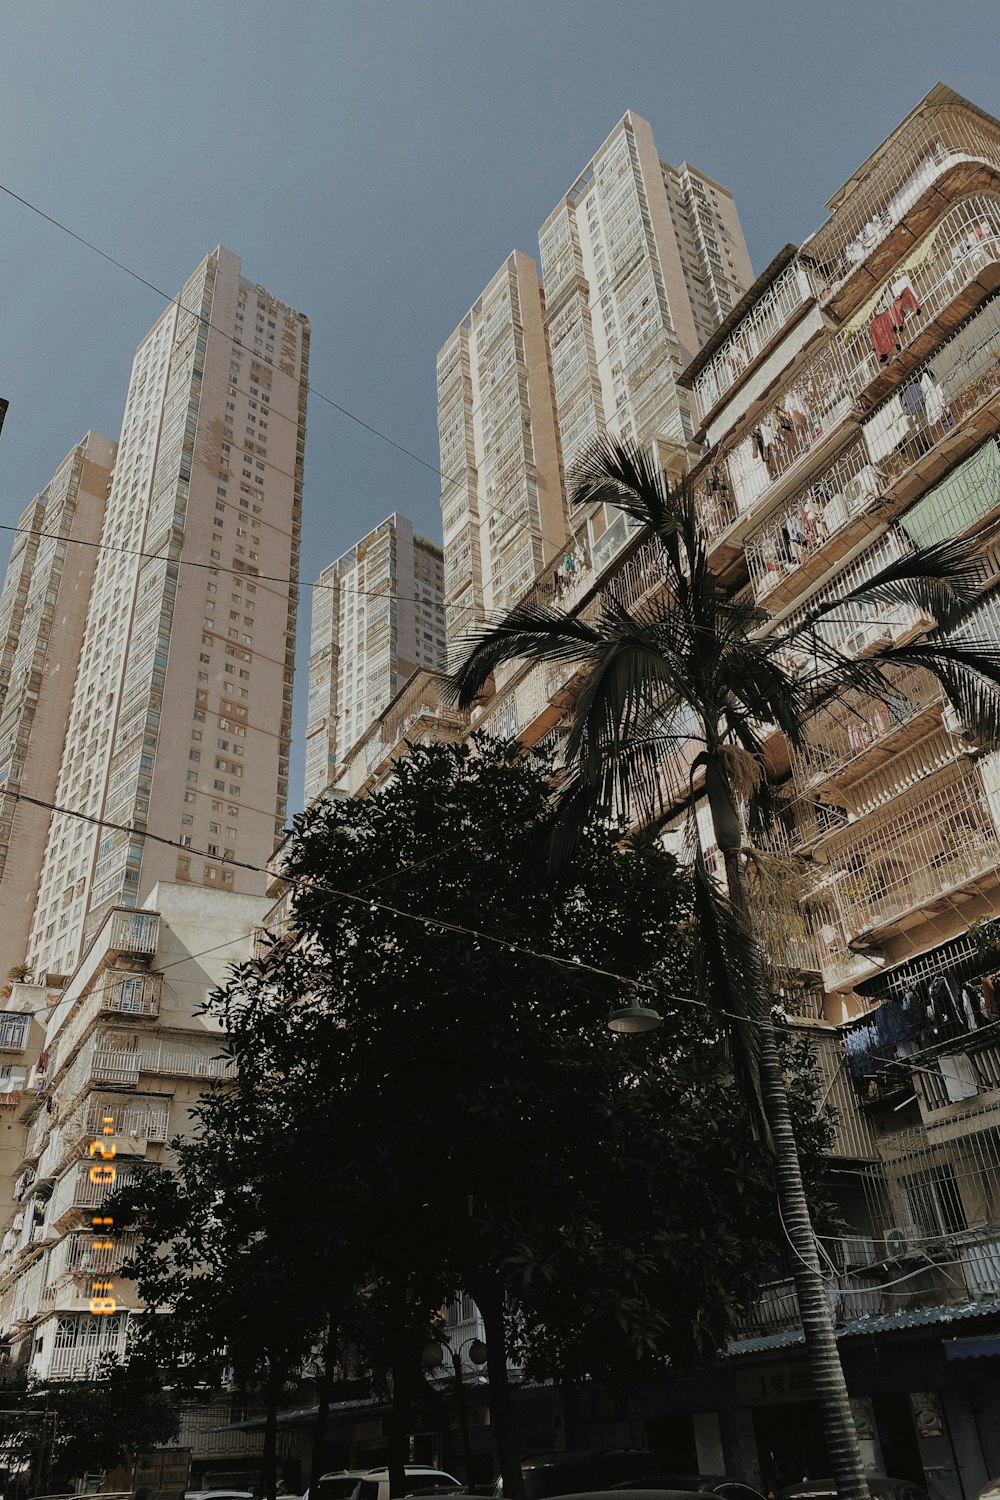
(360, 898)
(176, 302)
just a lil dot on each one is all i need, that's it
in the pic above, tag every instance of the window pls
(934, 1202)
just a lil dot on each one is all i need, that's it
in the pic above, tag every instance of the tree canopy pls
(427, 1097)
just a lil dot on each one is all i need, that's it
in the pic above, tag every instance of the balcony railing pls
(83, 1359)
(13, 1032)
(797, 542)
(947, 140)
(932, 844)
(919, 289)
(823, 395)
(762, 324)
(933, 404)
(856, 628)
(131, 932)
(855, 732)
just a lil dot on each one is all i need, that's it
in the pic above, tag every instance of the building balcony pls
(752, 337)
(819, 404)
(117, 993)
(931, 289)
(76, 1195)
(80, 1350)
(949, 404)
(857, 735)
(944, 150)
(908, 865)
(13, 1032)
(809, 534)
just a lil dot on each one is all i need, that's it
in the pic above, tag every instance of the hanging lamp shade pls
(634, 1017)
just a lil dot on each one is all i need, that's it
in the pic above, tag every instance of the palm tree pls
(691, 663)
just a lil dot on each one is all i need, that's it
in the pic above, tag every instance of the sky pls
(374, 162)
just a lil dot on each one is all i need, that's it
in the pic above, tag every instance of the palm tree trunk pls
(814, 1304)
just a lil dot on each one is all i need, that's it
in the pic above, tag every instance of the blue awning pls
(987, 1347)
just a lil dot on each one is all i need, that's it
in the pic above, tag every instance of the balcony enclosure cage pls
(958, 263)
(946, 145)
(933, 842)
(856, 731)
(762, 324)
(857, 627)
(928, 1213)
(798, 533)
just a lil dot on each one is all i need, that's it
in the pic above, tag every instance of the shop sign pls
(927, 1414)
(774, 1385)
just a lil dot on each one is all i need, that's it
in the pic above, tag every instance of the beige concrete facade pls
(121, 1041)
(502, 502)
(640, 261)
(181, 711)
(43, 612)
(377, 618)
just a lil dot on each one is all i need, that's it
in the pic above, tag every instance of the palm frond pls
(533, 631)
(969, 674)
(621, 473)
(941, 580)
(728, 972)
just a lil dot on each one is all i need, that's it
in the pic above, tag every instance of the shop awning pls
(987, 1347)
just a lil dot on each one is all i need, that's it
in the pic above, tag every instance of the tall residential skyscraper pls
(377, 616)
(43, 612)
(181, 711)
(640, 262)
(502, 497)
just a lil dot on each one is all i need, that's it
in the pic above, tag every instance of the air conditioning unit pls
(868, 637)
(900, 1243)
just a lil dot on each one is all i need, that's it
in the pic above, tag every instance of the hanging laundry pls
(991, 1001)
(796, 407)
(912, 398)
(945, 1002)
(935, 404)
(905, 303)
(883, 335)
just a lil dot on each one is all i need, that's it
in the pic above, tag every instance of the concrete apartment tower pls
(502, 500)
(181, 710)
(43, 613)
(377, 617)
(640, 262)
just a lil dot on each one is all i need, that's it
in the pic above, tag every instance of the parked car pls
(879, 1487)
(547, 1475)
(702, 1484)
(990, 1490)
(373, 1484)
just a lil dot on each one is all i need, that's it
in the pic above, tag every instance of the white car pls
(373, 1484)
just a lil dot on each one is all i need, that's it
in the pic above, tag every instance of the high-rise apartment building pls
(503, 510)
(377, 617)
(43, 613)
(181, 712)
(640, 262)
(850, 413)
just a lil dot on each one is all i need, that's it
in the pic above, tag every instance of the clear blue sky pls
(374, 161)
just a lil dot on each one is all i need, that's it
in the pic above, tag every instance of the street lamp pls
(478, 1355)
(634, 1017)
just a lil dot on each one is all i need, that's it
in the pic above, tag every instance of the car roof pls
(676, 1482)
(615, 1494)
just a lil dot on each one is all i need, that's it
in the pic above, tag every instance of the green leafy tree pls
(691, 664)
(468, 1119)
(87, 1424)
